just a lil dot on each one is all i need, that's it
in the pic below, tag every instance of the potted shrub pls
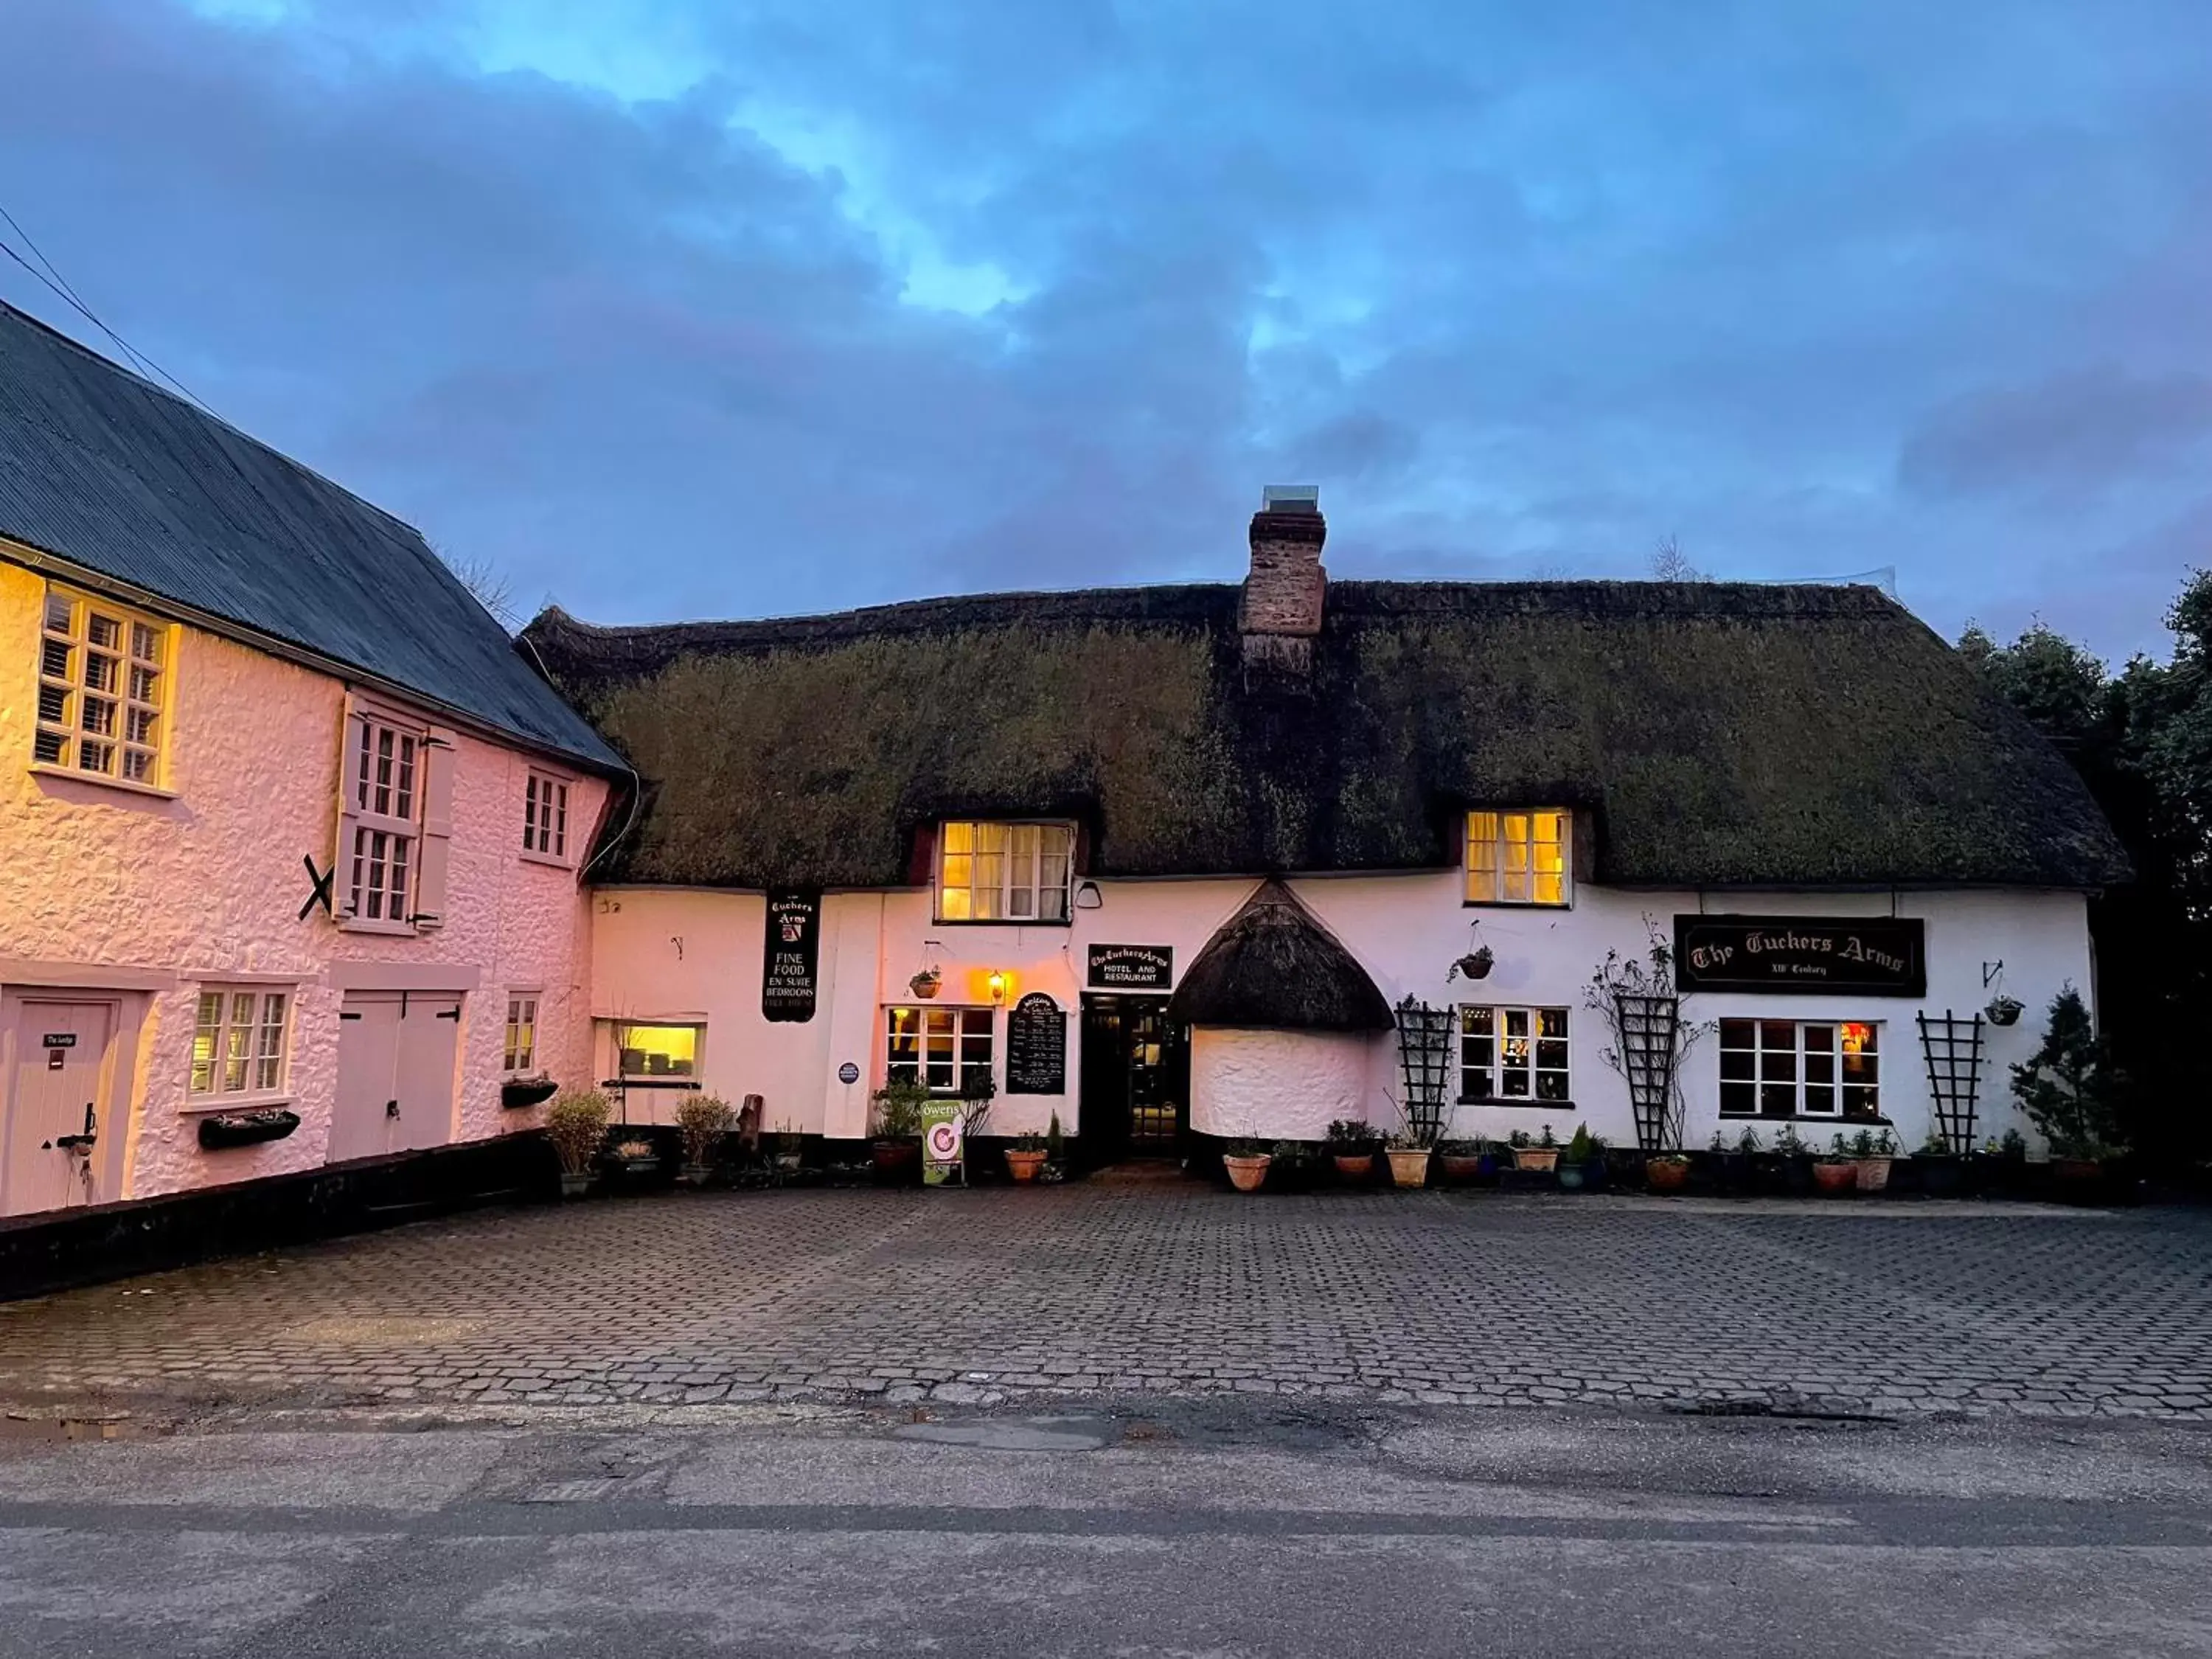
(785, 1148)
(1026, 1156)
(576, 1126)
(702, 1120)
(1667, 1172)
(1539, 1157)
(1794, 1160)
(2005, 1010)
(1835, 1170)
(1463, 1160)
(1247, 1163)
(1055, 1149)
(1409, 1154)
(2069, 1090)
(895, 1123)
(1574, 1166)
(1874, 1152)
(1352, 1143)
(1941, 1172)
(2006, 1162)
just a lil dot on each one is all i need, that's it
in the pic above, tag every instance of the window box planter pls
(1409, 1166)
(1246, 1173)
(1837, 1176)
(1667, 1175)
(518, 1092)
(1538, 1160)
(229, 1129)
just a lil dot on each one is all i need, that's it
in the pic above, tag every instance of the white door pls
(56, 1107)
(395, 1055)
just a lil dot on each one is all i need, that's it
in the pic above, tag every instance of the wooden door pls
(366, 1104)
(56, 1106)
(430, 1043)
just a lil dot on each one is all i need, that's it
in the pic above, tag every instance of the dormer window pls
(1518, 857)
(989, 871)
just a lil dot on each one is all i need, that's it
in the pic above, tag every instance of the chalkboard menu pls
(1802, 956)
(1037, 1047)
(1133, 967)
(790, 966)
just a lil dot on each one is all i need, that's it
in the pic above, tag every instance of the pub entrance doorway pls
(1136, 1079)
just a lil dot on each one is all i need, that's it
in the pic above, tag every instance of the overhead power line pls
(58, 285)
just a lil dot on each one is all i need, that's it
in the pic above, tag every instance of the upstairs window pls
(989, 872)
(545, 818)
(396, 793)
(103, 690)
(946, 1050)
(1517, 857)
(238, 1041)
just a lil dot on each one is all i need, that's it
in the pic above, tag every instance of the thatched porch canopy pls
(1273, 965)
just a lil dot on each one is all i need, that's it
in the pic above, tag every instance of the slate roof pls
(1272, 966)
(112, 473)
(1714, 734)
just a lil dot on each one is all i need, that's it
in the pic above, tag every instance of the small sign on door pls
(59, 1040)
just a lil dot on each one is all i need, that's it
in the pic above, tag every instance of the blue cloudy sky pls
(736, 307)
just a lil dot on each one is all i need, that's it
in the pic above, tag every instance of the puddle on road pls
(387, 1331)
(60, 1427)
(1054, 1433)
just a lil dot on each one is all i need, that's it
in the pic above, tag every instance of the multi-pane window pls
(545, 817)
(103, 679)
(947, 1049)
(1791, 1068)
(1513, 1054)
(650, 1052)
(383, 790)
(238, 1041)
(521, 1033)
(1004, 872)
(1517, 858)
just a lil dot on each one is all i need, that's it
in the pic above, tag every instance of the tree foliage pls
(2070, 1088)
(2141, 740)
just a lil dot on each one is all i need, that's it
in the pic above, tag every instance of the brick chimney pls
(1280, 616)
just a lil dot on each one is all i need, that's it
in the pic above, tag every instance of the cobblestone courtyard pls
(972, 1297)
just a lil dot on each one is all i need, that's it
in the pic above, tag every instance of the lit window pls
(545, 817)
(1517, 858)
(384, 796)
(654, 1052)
(521, 1033)
(1512, 1054)
(238, 1041)
(1004, 872)
(1791, 1068)
(103, 680)
(948, 1050)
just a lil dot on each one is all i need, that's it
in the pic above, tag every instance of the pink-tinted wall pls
(208, 886)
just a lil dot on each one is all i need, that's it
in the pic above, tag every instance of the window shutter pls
(342, 890)
(438, 757)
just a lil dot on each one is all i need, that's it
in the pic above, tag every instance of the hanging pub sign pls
(790, 964)
(1869, 955)
(1131, 967)
(1037, 1047)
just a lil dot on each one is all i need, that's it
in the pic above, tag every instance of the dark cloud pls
(674, 307)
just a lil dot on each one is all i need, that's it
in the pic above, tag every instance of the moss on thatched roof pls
(1717, 734)
(1273, 966)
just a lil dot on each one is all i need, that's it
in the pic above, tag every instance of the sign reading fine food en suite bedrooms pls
(790, 960)
(1870, 956)
(1131, 967)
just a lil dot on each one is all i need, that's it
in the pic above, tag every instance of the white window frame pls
(1506, 851)
(545, 818)
(1815, 1045)
(970, 1032)
(262, 1038)
(121, 726)
(518, 1044)
(1024, 876)
(384, 795)
(1532, 1063)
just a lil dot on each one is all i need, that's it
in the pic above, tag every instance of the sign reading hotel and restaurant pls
(1867, 956)
(790, 966)
(1133, 967)
(1037, 1047)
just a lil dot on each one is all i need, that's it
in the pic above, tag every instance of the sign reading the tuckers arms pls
(1873, 956)
(791, 963)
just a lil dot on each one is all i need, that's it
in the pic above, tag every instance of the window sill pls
(100, 779)
(650, 1083)
(1515, 904)
(259, 1100)
(1808, 1117)
(1002, 921)
(550, 860)
(1516, 1103)
(388, 929)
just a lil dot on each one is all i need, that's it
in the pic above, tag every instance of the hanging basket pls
(2005, 1010)
(926, 983)
(518, 1092)
(1475, 964)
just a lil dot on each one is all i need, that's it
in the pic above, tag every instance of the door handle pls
(391, 1108)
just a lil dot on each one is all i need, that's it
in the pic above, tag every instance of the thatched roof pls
(1715, 733)
(1273, 966)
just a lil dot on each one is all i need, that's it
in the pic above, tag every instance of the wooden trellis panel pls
(1952, 1049)
(1647, 1028)
(1424, 1063)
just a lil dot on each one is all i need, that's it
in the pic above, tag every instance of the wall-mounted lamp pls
(1087, 896)
(997, 983)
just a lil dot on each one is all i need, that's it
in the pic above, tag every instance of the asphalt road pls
(1196, 1529)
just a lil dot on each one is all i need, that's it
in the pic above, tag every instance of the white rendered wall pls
(1277, 1085)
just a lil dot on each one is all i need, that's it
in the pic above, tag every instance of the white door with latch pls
(56, 1106)
(396, 1051)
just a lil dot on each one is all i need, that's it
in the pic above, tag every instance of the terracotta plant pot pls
(1409, 1166)
(1874, 1175)
(1667, 1175)
(1245, 1174)
(1541, 1159)
(1832, 1178)
(1462, 1168)
(1354, 1166)
(1024, 1166)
